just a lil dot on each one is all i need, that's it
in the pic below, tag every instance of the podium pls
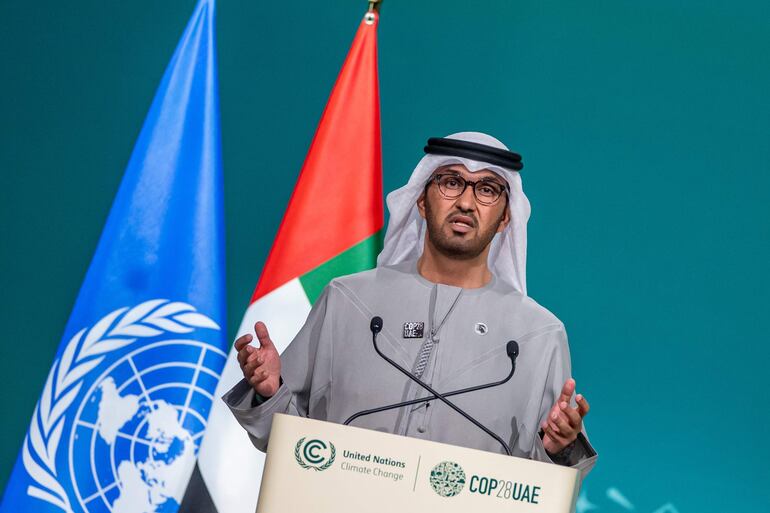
(319, 467)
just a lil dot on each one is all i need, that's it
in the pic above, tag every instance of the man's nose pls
(466, 200)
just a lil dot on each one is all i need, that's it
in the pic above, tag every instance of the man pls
(450, 286)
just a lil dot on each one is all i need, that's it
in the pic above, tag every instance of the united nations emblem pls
(132, 433)
(315, 454)
(447, 479)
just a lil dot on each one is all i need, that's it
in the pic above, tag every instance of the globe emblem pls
(136, 434)
(447, 479)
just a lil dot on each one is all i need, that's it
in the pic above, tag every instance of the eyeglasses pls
(486, 191)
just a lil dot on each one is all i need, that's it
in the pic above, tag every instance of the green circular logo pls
(315, 454)
(447, 479)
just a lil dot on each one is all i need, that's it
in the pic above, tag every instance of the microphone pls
(376, 326)
(512, 349)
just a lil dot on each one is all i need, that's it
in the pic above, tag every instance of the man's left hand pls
(564, 422)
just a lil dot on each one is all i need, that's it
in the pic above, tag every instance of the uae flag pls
(332, 227)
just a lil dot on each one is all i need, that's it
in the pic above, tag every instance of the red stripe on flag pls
(337, 201)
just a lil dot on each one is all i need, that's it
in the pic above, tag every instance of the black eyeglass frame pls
(435, 179)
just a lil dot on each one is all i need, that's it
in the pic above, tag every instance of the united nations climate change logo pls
(447, 479)
(135, 432)
(315, 454)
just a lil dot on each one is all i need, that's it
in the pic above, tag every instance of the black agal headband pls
(474, 151)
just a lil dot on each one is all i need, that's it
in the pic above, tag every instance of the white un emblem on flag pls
(135, 432)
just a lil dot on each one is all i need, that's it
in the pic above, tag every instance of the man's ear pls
(421, 204)
(505, 219)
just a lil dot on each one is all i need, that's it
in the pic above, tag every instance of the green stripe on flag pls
(358, 258)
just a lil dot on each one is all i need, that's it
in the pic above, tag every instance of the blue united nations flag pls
(122, 413)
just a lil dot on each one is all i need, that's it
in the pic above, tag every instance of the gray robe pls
(331, 371)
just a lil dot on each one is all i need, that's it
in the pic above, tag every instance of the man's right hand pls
(261, 366)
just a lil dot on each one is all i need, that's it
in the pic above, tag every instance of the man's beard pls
(455, 247)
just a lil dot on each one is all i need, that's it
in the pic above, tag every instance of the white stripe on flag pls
(230, 465)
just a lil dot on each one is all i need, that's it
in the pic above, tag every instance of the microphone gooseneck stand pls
(512, 348)
(376, 326)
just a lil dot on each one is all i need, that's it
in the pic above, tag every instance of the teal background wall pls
(645, 130)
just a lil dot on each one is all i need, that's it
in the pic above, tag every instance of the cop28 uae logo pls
(315, 454)
(447, 479)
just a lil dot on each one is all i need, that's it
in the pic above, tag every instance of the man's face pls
(462, 227)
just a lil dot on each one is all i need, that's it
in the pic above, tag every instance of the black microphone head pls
(512, 348)
(376, 324)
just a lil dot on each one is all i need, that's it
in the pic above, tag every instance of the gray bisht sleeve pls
(580, 454)
(306, 376)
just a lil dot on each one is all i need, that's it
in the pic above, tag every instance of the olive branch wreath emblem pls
(301, 461)
(82, 354)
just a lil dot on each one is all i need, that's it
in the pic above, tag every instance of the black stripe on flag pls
(196, 497)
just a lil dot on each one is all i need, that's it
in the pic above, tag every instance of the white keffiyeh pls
(404, 238)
